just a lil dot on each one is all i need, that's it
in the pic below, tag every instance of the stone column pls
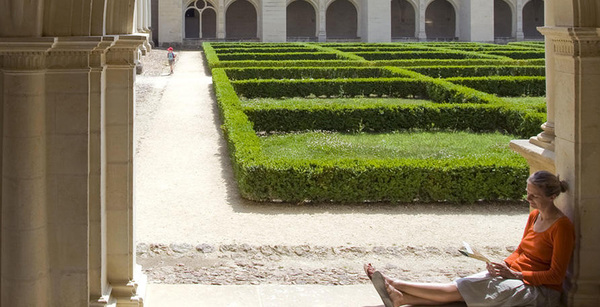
(519, 9)
(100, 290)
(25, 268)
(322, 22)
(377, 21)
(577, 75)
(67, 109)
(221, 20)
(477, 22)
(273, 20)
(421, 33)
(123, 274)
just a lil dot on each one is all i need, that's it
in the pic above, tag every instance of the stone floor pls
(264, 296)
(261, 296)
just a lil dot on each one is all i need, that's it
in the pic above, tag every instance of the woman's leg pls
(435, 292)
(429, 292)
(398, 298)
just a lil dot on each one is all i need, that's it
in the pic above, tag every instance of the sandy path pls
(185, 192)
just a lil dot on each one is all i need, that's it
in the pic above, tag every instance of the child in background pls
(171, 57)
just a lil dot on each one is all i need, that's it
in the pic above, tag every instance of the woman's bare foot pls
(395, 295)
(369, 270)
(396, 283)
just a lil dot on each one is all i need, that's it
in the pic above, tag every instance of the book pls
(472, 253)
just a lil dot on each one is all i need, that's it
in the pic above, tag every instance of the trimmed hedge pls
(226, 45)
(476, 71)
(266, 50)
(391, 87)
(505, 86)
(307, 73)
(452, 180)
(341, 54)
(529, 44)
(518, 54)
(458, 62)
(378, 118)
(279, 56)
(439, 54)
(408, 84)
(277, 178)
(455, 180)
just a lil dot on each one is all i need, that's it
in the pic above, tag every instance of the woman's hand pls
(502, 270)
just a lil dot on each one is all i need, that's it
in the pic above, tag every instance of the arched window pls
(200, 20)
(403, 19)
(533, 17)
(342, 20)
(440, 20)
(240, 20)
(502, 19)
(301, 20)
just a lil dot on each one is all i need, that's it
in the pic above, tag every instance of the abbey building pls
(189, 21)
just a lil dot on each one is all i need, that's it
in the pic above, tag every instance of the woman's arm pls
(510, 259)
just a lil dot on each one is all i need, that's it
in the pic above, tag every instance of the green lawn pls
(349, 102)
(417, 145)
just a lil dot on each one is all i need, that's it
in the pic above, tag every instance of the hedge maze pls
(267, 89)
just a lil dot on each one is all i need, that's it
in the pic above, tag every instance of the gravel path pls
(192, 226)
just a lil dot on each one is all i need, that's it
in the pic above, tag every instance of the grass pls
(359, 101)
(398, 145)
(350, 102)
(526, 100)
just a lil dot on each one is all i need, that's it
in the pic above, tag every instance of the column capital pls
(124, 50)
(25, 53)
(569, 41)
(98, 55)
(72, 52)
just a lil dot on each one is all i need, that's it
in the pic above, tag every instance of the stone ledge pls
(537, 157)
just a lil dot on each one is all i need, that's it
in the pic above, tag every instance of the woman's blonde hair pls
(549, 183)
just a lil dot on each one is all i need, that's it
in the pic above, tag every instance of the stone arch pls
(342, 20)
(38, 18)
(502, 19)
(119, 16)
(197, 17)
(209, 23)
(403, 18)
(192, 23)
(440, 20)
(241, 20)
(301, 19)
(533, 17)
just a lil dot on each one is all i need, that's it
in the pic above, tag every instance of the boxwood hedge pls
(352, 180)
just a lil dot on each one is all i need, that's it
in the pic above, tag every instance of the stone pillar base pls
(131, 293)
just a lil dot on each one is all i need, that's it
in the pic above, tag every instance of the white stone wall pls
(170, 21)
(474, 19)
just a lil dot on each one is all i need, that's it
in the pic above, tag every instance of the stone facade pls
(190, 21)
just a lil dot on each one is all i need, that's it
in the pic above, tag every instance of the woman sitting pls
(531, 276)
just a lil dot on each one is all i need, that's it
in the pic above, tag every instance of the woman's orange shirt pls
(543, 257)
